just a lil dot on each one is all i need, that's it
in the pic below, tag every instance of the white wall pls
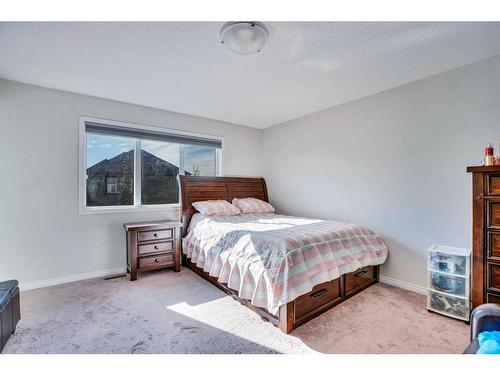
(394, 162)
(42, 235)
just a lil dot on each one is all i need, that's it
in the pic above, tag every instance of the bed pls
(287, 269)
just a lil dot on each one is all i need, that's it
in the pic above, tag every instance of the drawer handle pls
(360, 273)
(157, 260)
(319, 293)
(156, 247)
(155, 234)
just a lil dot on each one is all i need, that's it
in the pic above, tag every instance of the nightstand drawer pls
(157, 247)
(152, 235)
(154, 262)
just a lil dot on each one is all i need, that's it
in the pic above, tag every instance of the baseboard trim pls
(403, 284)
(118, 270)
(71, 278)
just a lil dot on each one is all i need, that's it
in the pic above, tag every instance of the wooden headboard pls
(194, 188)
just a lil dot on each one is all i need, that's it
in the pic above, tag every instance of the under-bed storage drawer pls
(359, 278)
(321, 296)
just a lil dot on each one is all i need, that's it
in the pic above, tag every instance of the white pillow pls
(252, 205)
(216, 208)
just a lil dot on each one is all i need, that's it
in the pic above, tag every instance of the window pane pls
(199, 160)
(110, 170)
(160, 167)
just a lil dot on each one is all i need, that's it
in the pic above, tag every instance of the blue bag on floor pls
(489, 342)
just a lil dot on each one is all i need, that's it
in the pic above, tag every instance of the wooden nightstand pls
(152, 246)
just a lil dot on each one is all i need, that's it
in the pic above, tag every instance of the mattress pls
(272, 259)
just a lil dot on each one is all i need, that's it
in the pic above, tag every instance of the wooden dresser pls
(153, 245)
(485, 234)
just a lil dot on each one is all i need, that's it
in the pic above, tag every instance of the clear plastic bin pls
(449, 262)
(450, 284)
(453, 306)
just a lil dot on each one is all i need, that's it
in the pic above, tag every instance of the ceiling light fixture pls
(245, 38)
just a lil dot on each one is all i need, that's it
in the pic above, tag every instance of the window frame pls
(115, 185)
(82, 167)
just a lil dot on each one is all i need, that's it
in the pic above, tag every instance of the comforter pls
(272, 259)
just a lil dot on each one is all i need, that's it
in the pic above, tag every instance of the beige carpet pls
(166, 312)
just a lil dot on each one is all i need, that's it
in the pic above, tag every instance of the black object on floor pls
(10, 310)
(485, 317)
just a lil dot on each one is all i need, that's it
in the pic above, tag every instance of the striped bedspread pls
(272, 259)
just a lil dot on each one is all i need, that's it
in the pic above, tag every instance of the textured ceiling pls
(181, 67)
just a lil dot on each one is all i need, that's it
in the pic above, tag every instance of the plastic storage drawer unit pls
(449, 281)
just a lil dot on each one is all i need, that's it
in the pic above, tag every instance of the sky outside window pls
(199, 158)
(100, 147)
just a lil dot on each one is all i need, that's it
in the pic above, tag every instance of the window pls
(159, 178)
(109, 171)
(112, 185)
(124, 166)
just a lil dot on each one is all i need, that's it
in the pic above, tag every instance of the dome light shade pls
(245, 38)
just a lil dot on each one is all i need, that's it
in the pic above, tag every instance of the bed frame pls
(304, 308)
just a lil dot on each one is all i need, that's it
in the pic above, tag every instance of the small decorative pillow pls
(252, 205)
(216, 208)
